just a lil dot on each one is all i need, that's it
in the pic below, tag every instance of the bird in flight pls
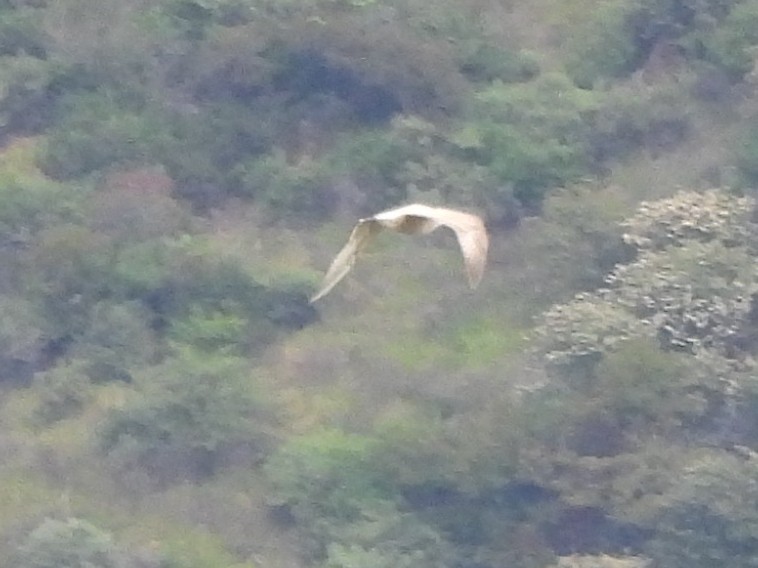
(413, 219)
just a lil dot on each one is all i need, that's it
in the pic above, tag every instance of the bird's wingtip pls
(315, 297)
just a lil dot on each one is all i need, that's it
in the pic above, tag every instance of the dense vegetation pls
(175, 176)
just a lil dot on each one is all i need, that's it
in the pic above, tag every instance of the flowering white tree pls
(691, 285)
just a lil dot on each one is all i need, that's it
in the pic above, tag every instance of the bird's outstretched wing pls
(472, 237)
(345, 259)
(414, 219)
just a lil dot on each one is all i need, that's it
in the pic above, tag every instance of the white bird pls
(414, 219)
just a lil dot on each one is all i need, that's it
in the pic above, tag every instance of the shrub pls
(136, 205)
(21, 33)
(21, 339)
(73, 543)
(620, 36)
(188, 412)
(117, 341)
(388, 538)
(325, 477)
(176, 279)
(62, 391)
(302, 190)
(69, 272)
(603, 46)
(730, 45)
(99, 130)
(209, 330)
(746, 156)
(30, 202)
(709, 516)
(27, 100)
(531, 136)
(638, 116)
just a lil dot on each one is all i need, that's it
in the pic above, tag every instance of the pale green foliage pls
(21, 336)
(73, 543)
(209, 330)
(332, 482)
(324, 474)
(418, 449)
(532, 135)
(31, 202)
(387, 538)
(600, 561)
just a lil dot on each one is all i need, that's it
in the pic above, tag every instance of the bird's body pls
(413, 219)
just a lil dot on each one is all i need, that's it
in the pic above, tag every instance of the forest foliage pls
(174, 177)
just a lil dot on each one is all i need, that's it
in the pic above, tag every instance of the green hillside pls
(175, 178)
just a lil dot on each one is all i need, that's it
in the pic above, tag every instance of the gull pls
(413, 219)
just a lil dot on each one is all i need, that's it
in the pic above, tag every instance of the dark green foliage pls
(188, 412)
(21, 339)
(587, 220)
(21, 33)
(604, 47)
(386, 538)
(197, 280)
(730, 45)
(111, 302)
(708, 517)
(117, 340)
(393, 68)
(487, 63)
(638, 117)
(71, 266)
(100, 130)
(371, 158)
(301, 189)
(190, 18)
(647, 385)
(202, 151)
(532, 136)
(27, 105)
(325, 478)
(747, 156)
(639, 388)
(620, 37)
(63, 392)
(329, 481)
(175, 281)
